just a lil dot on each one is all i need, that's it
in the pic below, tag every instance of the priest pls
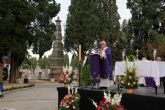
(106, 67)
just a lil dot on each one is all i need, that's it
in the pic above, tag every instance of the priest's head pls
(103, 44)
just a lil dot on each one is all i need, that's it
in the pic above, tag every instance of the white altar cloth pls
(144, 69)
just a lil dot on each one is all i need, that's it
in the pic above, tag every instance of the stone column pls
(57, 56)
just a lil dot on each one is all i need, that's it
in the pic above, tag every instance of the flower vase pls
(130, 91)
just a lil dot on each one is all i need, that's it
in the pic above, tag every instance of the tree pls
(85, 76)
(44, 62)
(43, 27)
(25, 24)
(33, 63)
(147, 23)
(126, 32)
(30, 63)
(88, 21)
(25, 66)
(26, 63)
(15, 16)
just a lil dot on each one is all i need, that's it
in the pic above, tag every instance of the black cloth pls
(130, 101)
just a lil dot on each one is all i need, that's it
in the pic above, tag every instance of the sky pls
(123, 12)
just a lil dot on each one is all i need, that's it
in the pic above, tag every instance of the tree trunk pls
(13, 70)
(33, 71)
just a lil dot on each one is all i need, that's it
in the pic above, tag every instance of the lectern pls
(95, 69)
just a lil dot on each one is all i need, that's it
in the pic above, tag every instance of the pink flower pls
(70, 103)
(117, 107)
(104, 99)
(107, 109)
(101, 103)
(100, 108)
(107, 103)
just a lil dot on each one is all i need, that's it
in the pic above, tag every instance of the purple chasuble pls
(106, 68)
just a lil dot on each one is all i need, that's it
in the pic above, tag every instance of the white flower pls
(76, 90)
(68, 89)
(74, 107)
(72, 89)
(105, 94)
(70, 69)
(113, 102)
(94, 103)
(117, 98)
(67, 106)
(109, 94)
(64, 69)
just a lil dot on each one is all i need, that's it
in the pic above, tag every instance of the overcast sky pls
(123, 12)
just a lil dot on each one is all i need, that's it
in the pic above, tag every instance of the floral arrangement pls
(70, 101)
(66, 76)
(109, 102)
(130, 79)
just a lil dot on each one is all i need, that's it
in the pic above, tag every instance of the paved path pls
(42, 97)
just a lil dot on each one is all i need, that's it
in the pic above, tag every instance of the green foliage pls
(85, 79)
(44, 62)
(16, 17)
(25, 24)
(33, 62)
(66, 60)
(25, 66)
(126, 31)
(147, 25)
(88, 21)
(74, 61)
(18, 87)
(158, 38)
(29, 63)
(43, 28)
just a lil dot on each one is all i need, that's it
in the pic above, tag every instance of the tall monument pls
(57, 57)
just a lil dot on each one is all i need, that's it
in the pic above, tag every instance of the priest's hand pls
(100, 54)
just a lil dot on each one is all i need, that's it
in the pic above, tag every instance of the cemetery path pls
(42, 97)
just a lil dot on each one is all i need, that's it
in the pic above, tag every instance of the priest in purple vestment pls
(106, 68)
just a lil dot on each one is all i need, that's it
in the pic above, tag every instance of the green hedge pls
(19, 87)
(85, 79)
